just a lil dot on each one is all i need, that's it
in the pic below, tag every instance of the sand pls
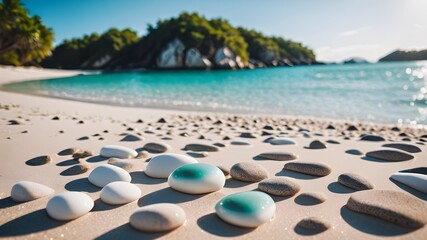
(39, 135)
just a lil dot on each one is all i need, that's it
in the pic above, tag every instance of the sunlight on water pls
(384, 92)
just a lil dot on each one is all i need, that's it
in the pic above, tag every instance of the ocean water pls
(381, 92)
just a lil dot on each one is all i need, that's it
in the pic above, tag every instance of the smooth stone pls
(282, 141)
(354, 152)
(246, 209)
(279, 156)
(82, 154)
(41, 160)
(390, 155)
(117, 152)
(372, 138)
(420, 170)
(69, 205)
(143, 155)
(197, 178)
(314, 224)
(105, 174)
(76, 169)
(240, 143)
(201, 147)
(248, 172)
(117, 193)
(355, 181)
(393, 206)
(130, 138)
(332, 142)
(310, 198)
(403, 146)
(352, 128)
(247, 135)
(316, 144)
(25, 191)
(310, 168)
(225, 170)
(414, 180)
(279, 186)
(158, 217)
(157, 147)
(161, 166)
(126, 165)
(68, 151)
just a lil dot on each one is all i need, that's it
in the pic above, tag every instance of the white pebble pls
(117, 152)
(116, 193)
(25, 191)
(161, 166)
(105, 174)
(69, 205)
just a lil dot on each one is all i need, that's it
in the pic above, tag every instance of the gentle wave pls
(382, 92)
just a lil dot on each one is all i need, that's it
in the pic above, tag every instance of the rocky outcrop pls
(268, 57)
(193, 59)
(225, 58)
(102, 61)
(405, 56)
(171, 56)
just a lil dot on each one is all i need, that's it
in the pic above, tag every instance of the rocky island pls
(399, 55)
(189, 41)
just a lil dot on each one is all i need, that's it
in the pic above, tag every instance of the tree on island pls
(174, 38)
(24, 40)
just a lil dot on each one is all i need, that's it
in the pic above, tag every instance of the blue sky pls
(335, 29)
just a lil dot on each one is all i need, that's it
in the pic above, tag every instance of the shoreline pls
(45, 74)
(47, 126)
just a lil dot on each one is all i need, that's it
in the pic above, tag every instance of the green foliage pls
(85, 52)
(195, 31)
(23, 39)
(282, 48)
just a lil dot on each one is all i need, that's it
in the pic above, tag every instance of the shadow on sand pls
(372, 225)
(211, 223)
(33, 222)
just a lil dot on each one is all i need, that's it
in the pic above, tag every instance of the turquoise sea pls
(380, 92)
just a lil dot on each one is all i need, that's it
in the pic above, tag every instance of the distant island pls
(355, 60)
(189, 41)
(405, 56)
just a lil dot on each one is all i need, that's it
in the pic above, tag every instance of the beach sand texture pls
(32, 127)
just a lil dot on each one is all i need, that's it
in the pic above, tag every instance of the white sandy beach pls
(39, 135)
